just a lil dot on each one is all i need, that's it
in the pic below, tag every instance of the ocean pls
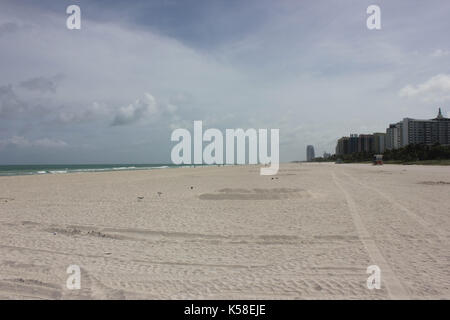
(14, 170)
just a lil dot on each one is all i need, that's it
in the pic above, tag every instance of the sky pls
(113, 91)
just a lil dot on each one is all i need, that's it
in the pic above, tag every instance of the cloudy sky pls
(113, 91)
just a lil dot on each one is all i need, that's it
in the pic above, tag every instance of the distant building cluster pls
(398, 135)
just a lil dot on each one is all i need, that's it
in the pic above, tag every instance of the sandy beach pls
(310, 232)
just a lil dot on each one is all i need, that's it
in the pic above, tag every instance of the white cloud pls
(22, 142)
(9, 102)
(136, 111)
(8, 27)
(146, 109)
(94, 111)
(49, 143)
(282, 68)
(436, 89)
(42, 84)
(440, 53)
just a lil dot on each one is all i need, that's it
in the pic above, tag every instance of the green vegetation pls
(422, 162)
(418, 152)
(411, 154)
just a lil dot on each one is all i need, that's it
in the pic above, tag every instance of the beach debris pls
(54, 233)
(192, 187)
(96, 233)
(107, 253)
(435, 182)
(140, 198)
(159, 193)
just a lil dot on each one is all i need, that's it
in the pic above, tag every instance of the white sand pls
(309, 234)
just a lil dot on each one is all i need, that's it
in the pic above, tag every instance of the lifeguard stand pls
(378, 159)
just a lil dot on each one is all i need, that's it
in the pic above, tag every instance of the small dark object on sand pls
(159, 193)
(192, 187)
(435, 182)
(140, 198)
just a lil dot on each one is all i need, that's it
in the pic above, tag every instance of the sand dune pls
(228, 233)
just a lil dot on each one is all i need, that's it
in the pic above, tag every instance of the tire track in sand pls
(393, 285)
(423, 223)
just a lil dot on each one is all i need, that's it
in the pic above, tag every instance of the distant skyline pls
(113, 91)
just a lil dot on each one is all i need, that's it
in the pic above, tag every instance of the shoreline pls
(69, 169)
(66, 170)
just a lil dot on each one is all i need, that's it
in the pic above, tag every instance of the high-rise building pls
(365, 143)
(379, 141)
(429, 132)
(394, 136)
(398, 135)
(342, 146)
(310, 153)
(347, 145)
(353, 143)
(389, 140)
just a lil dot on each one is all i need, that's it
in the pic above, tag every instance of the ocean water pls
(14, 170)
